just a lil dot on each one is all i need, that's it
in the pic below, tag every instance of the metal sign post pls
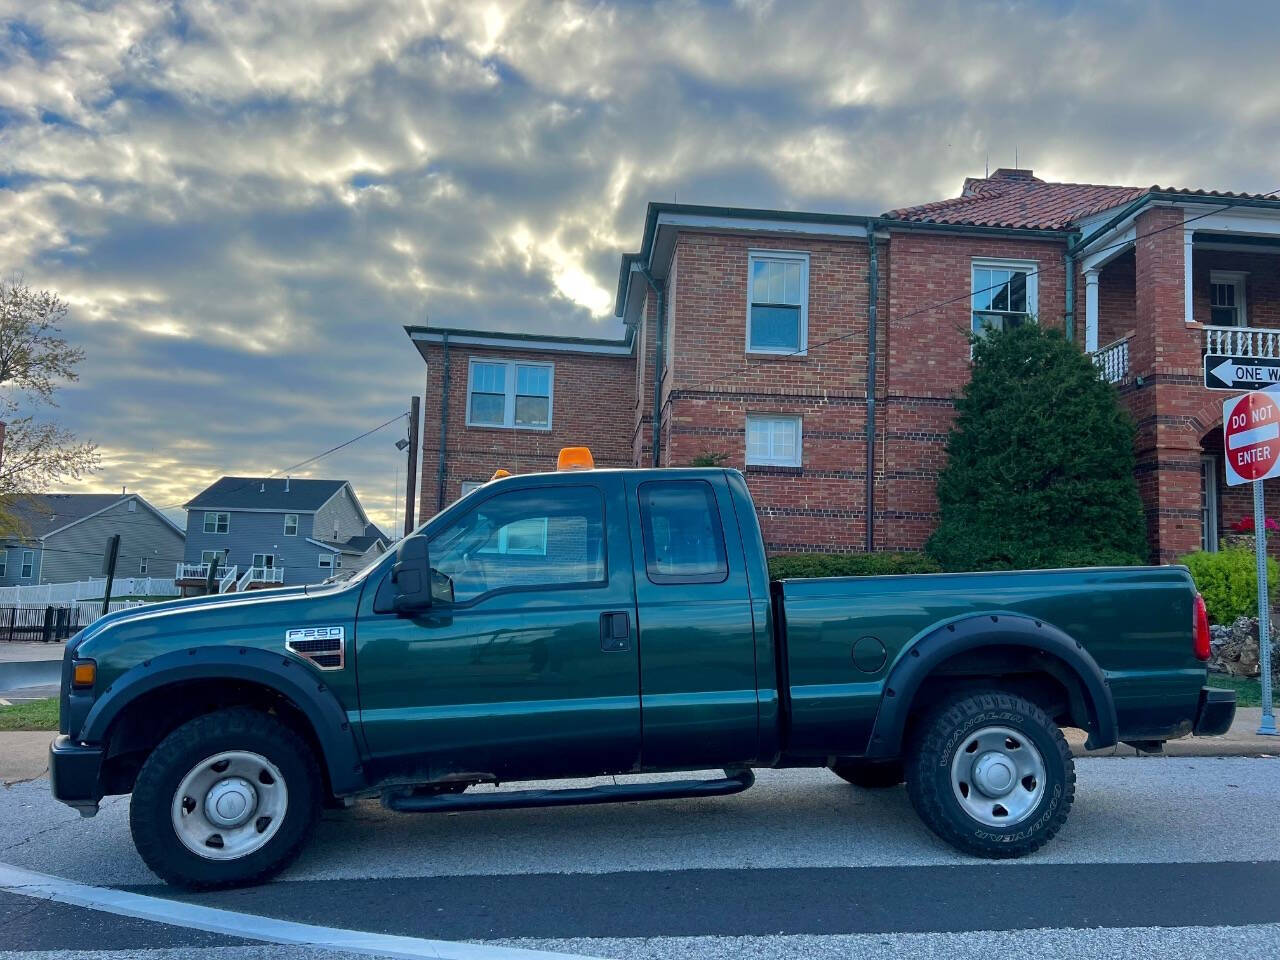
(1251, 440)
(1268, 725)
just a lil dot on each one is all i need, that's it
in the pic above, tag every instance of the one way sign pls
(1240, 373)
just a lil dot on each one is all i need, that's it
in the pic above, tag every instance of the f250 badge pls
(324, 647)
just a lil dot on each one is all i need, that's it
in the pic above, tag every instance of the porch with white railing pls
(1112, 360)
(200, 571)
(1242, 341)
(261, 577)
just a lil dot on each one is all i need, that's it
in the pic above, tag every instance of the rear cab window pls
(683, 537)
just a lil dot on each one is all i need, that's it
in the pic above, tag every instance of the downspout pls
(659, 355)
(873, 295)
(1069, 290)
(444, 420)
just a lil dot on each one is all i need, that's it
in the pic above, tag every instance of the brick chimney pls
(1014, 173)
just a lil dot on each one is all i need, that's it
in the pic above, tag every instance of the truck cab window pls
(526, 539)
(683, 539)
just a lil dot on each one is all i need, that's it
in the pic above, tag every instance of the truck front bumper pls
(1216, 711)
(75, 774)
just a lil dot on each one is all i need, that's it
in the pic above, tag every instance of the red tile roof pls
(1017, 198)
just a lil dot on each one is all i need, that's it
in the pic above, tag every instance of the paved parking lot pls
(1162, 857)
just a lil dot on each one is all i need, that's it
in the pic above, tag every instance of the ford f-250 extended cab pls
(575, 624)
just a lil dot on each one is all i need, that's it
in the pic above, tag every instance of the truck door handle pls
(615, 631)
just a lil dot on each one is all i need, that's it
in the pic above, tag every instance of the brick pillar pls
(1165, 354)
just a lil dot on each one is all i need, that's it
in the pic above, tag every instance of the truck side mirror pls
(411, 576)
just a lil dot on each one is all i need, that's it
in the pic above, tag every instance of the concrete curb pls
(29, 673)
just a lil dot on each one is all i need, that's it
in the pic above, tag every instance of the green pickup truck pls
(592, 622)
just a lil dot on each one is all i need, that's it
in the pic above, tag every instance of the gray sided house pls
(62, 538)
(273, 532)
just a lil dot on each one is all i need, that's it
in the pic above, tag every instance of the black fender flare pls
(918, 660)
(289, 678)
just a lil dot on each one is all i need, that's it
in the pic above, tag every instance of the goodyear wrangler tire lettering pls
(964, 722)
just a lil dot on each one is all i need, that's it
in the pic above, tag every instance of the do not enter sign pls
(1251, 437)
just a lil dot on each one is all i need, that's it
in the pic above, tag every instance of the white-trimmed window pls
(773, 440)
(28, 564)
(1004, 294)
(511, 394)
(217, 522)
(142, 566)
(520, 537)
(290, 524)
(777, 302)
(1226, 299)
(325, 561)
(4, 563)
(264, 561)
(211, 556)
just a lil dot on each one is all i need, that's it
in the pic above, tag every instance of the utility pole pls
(411, 477)
(109, 568)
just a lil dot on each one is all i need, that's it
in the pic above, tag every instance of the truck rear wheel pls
(870, 774)
(991, 773)
(228, 798)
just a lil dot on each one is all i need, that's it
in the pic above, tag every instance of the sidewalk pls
(1242, 740)
(23, 652)
(24, 756)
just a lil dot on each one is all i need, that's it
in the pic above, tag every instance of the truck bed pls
(842, 638)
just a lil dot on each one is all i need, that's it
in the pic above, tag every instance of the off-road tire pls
(870, 774)
(237, 728)
(944, 731)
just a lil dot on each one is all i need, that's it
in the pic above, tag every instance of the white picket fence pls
(123, 588)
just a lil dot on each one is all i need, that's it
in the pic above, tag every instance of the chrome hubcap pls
(998, 776)
(229, 805)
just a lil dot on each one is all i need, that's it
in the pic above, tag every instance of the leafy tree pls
(1040, 465)
(709, 459)
(34, 360)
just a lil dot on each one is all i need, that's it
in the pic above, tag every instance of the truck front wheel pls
(228, 798)
(991, 773)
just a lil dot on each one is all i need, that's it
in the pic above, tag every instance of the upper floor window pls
(142, 566)
(290, 524)
(4, 563)
(778, 302)
(1004, 294)
(505, 393)
(217, 522)
(773, 440)
(28, 564)
(526, 539)
(1226, 299)
(683, 538)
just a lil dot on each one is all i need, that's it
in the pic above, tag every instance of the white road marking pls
(43, 886)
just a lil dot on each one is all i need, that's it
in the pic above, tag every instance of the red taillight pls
(1201, 644)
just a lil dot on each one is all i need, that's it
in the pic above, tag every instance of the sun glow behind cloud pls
(243, 203)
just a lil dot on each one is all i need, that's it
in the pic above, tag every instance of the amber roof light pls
(575, 458)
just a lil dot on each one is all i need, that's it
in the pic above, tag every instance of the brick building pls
(821, 354)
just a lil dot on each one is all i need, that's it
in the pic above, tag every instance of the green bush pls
(848, 565)
(1228, 581)
(1040, 466)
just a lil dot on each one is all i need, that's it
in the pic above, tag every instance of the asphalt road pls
(1161, 858)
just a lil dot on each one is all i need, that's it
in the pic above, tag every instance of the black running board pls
(734, 782)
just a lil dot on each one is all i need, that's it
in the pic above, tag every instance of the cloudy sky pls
(243, 202)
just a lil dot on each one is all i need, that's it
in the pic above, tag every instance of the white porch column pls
(1091, 311)
(1187, 285)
